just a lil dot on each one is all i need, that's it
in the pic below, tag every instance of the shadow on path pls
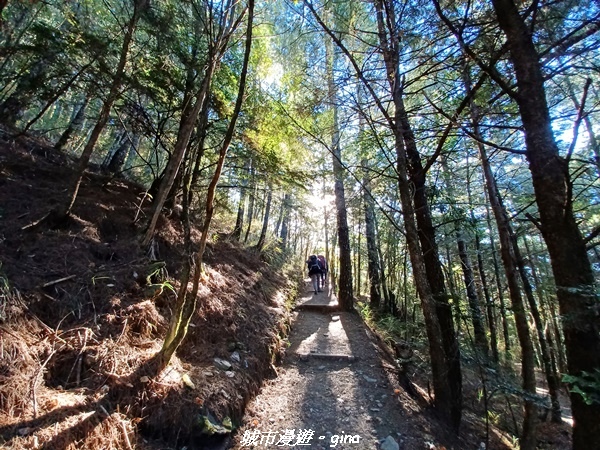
(331, 391)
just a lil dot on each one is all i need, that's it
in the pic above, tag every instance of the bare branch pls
(580, 116)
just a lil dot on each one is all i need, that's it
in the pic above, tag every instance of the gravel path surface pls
(332, 391)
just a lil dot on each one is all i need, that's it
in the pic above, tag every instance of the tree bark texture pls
(575, 284)
(186, 304)
(448, 387)
(344, 293)
(371, 238)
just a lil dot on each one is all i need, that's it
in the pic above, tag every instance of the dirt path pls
(332, 391)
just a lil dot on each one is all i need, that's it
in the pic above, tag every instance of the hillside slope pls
(83, 309)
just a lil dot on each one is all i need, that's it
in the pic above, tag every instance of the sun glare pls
(273, 75)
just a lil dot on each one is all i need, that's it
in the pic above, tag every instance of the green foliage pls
(587, 385)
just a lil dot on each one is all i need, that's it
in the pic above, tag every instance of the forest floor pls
(83, 311)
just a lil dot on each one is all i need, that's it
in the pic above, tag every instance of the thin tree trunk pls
(547, 344)
(508, 258)
(265, 225)
(481, 342)
(75, 126)
(371, 238)
(283, 236)
(499, 287)
(186, 304)
(239, 221)
(202, 128)
(480, 338)
(491, 319)
(251, 203)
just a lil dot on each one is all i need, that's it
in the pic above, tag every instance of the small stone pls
(230, 373)
(390, 444)
(222, 364)
(144, 379)
(374, 409)
(235, 356)
(208, 374)
(369, 379)
(271, 420)
(321, 367)
(335, 318)
(24, 431)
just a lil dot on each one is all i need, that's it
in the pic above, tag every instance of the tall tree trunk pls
(193, 103)
(202, 132)
(370, 227)
(344, 293)
(481, 342)
(450, 401)
(192, 106)
(251, 203)
(491, 316)
(283, 236)
(279, 220)
(239, 221)
(540, 319)
(499, 284)
(548, 311)
(265, 225)
(480, 338)
(575, 283)
(528, 438)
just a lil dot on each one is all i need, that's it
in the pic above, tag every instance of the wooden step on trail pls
(336, 356)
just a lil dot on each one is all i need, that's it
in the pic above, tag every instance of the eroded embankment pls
(84, 310)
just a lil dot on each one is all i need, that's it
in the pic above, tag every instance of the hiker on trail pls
(324, 269)
(314, 271)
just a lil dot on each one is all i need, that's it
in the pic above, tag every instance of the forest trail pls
(332, 390)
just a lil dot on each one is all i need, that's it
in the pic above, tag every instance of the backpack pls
(322, 262)
(313, 265)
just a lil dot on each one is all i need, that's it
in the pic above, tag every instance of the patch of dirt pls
(84, 310)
